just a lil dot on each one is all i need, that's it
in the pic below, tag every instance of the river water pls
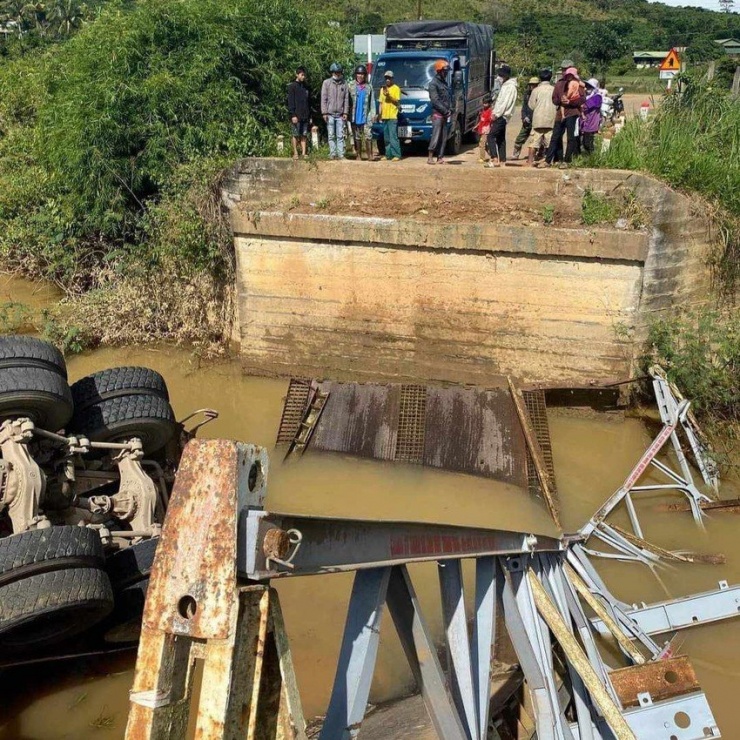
(89, 698)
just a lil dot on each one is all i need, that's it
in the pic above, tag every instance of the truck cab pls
(411, 51)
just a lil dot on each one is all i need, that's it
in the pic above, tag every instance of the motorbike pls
(612, 107)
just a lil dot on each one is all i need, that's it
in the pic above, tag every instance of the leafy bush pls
(700, 351)
(111, 143)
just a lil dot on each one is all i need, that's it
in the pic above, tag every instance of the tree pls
(603, 44)
(703, 49)
(727, 6)
(66, 16)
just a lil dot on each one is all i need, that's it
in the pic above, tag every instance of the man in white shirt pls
(502, 111)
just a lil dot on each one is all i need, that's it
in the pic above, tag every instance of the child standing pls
(483, 127)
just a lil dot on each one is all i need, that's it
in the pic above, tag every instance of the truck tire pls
(37, 550)
(35, 392)
(50, 607)
(129, 570)
(142, 414)
(117, 381)
(18, 351)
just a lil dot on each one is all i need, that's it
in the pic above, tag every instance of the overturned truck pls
(85, 476)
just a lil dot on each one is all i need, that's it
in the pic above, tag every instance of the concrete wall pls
(396, 299)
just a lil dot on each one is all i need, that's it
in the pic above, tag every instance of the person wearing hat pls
(389, 98)
(502, 111)
(362, 109)
(591, 117)
(439, 97)
(526, 128)
(543, 116)
(334, 109)
(569, 98)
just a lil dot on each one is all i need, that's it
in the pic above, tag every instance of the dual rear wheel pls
(53, 582)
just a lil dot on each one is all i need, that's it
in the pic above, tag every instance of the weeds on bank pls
(597, 209)
(700, 351)
(691, 143)
(110, 167)
(15, 318)
(548, 215)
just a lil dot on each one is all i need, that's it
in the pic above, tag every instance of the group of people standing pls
(343, 102)
(558, 121)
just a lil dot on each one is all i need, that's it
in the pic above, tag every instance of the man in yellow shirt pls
(390, 95)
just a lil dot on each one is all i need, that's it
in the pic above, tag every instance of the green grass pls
(597, 209)
(693, 143)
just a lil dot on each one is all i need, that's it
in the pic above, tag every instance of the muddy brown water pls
(88, 698)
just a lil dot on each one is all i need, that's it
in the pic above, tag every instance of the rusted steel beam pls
(663, 679)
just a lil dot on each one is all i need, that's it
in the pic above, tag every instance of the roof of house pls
(727, 42)
(650, 54)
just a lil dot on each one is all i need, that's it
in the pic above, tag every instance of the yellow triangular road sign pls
(671, 62)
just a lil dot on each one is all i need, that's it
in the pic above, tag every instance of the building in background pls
(648, 59)
(731, 46)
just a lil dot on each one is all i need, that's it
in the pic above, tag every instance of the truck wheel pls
(29, 552)
(117, 381)
(143, 414)
(33, 383)
(52, 585)
(455, 143)
(129, 570)
(49, 607)
(18, 351)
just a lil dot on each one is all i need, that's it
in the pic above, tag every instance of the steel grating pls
(534, 400)
(411, 424)
(294, 409)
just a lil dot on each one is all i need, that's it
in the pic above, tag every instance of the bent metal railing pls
(210, 598)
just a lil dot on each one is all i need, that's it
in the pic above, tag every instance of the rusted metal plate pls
(192, 587)
(475, 431)
(663, 679)
(359, 420)
(469, 430)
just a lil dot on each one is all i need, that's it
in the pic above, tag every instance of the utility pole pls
(418, 8)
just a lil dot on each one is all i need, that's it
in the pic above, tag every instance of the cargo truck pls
(410, 52)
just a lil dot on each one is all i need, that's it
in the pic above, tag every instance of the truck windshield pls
(407, 73)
